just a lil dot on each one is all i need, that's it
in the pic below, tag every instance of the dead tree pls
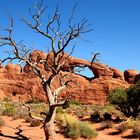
(56, 59)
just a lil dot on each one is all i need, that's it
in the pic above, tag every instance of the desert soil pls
(20, 130)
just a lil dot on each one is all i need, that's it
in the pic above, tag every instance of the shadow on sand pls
(18, 133)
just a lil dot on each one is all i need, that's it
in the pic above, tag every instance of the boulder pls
(99, 70)
(13, 68)
(36, 55)
(117, 73)
(137, 78)
(130, 75)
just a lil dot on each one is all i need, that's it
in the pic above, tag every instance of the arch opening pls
(85, 72)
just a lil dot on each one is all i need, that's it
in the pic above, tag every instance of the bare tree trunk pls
(49, 128)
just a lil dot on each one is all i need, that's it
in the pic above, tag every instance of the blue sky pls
(116, 24)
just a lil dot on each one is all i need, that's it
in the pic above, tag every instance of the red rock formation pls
(13, 68)
(117, 74)
(36, 55)
(100, 70)
(25, 86)
(94, 91)
(137, 78)
(130, 75)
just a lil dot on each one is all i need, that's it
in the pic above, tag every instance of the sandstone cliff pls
(21, 84)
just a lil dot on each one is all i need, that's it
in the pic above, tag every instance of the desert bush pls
(72, 104)
(136, 128)
(9, 110)
(20, 114)
(133, 96)
(128, 124)
(107, 116)
(117, 120)
(73, 128)
(95, 116)
(126, 100)
(27, 119)
(60, 110)
(86, 130)
(34, 122)
(2, 122)
(105, 125)
(1, 110)
(6, 99)
(122, 127)
(102, 109)
(35, 101)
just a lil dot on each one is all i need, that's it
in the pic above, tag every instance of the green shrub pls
(2, 122)
(128, 124)
(95, 116)
(60, 110)
(35, 122)
(107, 116)
(73, 128)
(126, 100)
(9, 110)
(6, 99)
(86, 130)
(72, 104)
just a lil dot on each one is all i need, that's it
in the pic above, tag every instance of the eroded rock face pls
(137, 78)
(36, 55)
(117, 74)
(23, 86)
(130, 75)
(94, 91)
(13, 68)
(100, 70)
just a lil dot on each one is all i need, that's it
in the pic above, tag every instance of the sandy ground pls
(19, 130)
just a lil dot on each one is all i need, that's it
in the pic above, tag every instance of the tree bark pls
(49, 128)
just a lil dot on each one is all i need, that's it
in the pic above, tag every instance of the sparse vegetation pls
(72, 103)
(73, 128)
(60, 37)
(122, 127)
(9, 110)
(34, 122)
(60, 110)
(6, 99)
(130, 123)
(105, 125)
(95, 116)
(70, 126)
(107, 116)
(136, 128)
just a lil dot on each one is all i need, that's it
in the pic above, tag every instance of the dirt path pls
(19, 130)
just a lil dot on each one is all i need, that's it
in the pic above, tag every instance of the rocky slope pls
(21, 84)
